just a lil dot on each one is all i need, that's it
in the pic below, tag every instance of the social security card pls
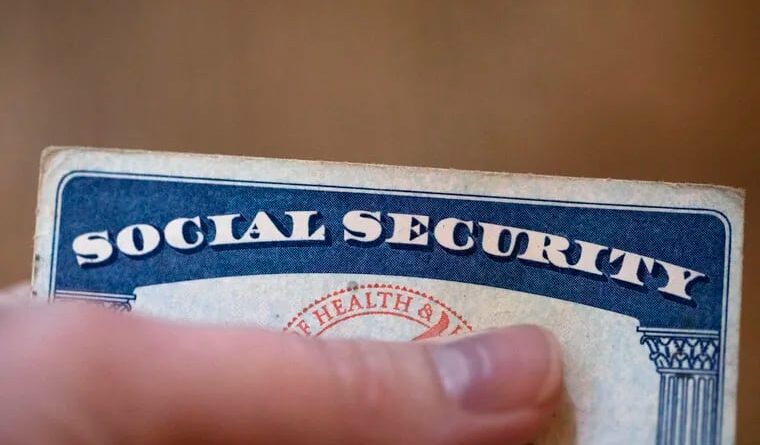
(640, 281)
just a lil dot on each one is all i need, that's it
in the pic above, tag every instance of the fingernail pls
(500, 370)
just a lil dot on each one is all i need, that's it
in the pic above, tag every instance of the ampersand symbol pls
(426, 312)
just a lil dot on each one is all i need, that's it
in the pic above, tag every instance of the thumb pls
(92, 376)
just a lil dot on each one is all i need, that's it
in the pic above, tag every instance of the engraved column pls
(116, 302)
(687, 361)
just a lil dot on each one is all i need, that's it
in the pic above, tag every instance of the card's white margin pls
(724, 202)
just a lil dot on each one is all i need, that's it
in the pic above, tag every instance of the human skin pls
(75, 373)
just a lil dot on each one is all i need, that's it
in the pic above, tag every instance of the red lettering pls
(323, 315)
(355, 304)
(338, 305)
(426, 312)
(400, 303)
(370, 304)
(456, 330)
(385, 296)
(304, 327)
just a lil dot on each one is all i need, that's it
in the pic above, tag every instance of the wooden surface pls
(641, 90)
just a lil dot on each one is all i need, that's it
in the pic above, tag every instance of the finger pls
(15, 295)
(125, 378)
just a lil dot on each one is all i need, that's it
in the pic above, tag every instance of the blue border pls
(537, 201)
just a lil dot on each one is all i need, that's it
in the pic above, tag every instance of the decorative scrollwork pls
(115, 304)
(683, 353)
(688, 364)
(118, 306)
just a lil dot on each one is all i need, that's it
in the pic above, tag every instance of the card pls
(640, 281)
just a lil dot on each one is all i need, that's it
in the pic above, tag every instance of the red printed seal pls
(370, 308)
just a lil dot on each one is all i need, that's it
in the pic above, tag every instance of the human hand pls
(74, 373)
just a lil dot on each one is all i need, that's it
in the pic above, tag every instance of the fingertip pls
(501, 370)
(551, 391)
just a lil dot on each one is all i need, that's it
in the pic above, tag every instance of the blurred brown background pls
(641, 90)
